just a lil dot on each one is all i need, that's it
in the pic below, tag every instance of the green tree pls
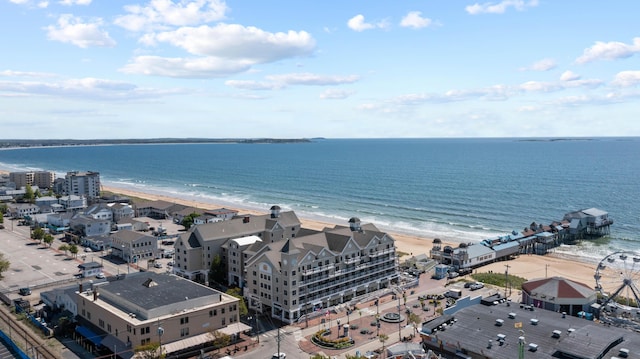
(73, 249)
(38, 234)
(1, 217)
(383, 338)
(37, 194)
(29, 196)
(219, 339)
(217, 270)
(320, 356)
(187, 222)
(242, 306)
(64, 248)
(149, 351)
(3, 208)
(48, 239)
(4, 265)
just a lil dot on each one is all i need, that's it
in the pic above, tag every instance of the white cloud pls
(335, 94)
(159, 14)
(86, 88)
(539, 86)
(73, 30)
(569, 76)
(609, 51)
(541, 65)
(19, 2)
(252, 85)
(357, 23)
(43, 4)
(204, 67)
(627, 79)
(74, 2)
(313, 79)
(499, 8)
(239, 42)
(415, 20)
(10, 73)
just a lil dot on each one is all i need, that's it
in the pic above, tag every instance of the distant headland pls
(11, 143)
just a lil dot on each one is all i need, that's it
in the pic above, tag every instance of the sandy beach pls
(526, 266)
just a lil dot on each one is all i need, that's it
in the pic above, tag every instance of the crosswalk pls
(296, 333)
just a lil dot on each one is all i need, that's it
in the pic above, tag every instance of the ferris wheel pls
(618, 278)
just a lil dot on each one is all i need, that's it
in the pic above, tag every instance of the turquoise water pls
(454, 189)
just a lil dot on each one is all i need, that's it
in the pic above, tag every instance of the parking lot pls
(39, 266)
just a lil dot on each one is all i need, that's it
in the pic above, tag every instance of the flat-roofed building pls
(148, 307)
(473, 332)
(85, 184)
(21, 179)
(44, 179)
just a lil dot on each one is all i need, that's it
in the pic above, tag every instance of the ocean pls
(459, 190)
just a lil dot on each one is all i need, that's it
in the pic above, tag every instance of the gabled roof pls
(130, 236)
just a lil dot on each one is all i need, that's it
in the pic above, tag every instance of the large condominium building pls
(196, 249)
(148, 307)
(21, 179)
(85, 184)
(41, 179)
(291, 278)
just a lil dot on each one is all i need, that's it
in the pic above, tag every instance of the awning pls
(116, 346)
(89, 335)
(186, 343)
(234, 328)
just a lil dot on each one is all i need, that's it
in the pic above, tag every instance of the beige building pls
(21, 179)
(43, 179)
(148, 307)
(291, 278)
(196, 249)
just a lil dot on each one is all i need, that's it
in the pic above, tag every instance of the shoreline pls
(526, 266)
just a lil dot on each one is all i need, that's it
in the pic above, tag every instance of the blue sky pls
(288, 69)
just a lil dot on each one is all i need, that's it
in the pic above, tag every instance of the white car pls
(280, 355)
(100, 276)
(157, 265)
(170, 264)
(87, 249)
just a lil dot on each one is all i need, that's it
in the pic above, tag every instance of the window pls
(101, 323)
(184, 320)
(222, 310)
(128, 328)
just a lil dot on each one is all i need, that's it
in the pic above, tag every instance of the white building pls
(83, 184)
(133, 246)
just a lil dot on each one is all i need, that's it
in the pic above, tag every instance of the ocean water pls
(461, 190)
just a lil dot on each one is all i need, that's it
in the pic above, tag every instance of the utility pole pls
(278, 340)
(546, 267)
(506, 279)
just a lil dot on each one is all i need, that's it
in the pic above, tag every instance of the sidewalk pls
(363, 317)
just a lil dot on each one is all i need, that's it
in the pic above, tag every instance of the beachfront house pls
(121, 211)
(157, 209)
(83, 184)
(73, 203)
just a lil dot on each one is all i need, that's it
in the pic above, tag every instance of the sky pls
(97, 69)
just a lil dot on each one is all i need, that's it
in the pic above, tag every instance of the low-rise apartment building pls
(148, 307)
(132, 246)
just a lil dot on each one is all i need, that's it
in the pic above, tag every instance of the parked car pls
(157, 265)
(280, 355)
(87, 249)
(170, 264)
(476, 286)
(25, 291)
(100, 276)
